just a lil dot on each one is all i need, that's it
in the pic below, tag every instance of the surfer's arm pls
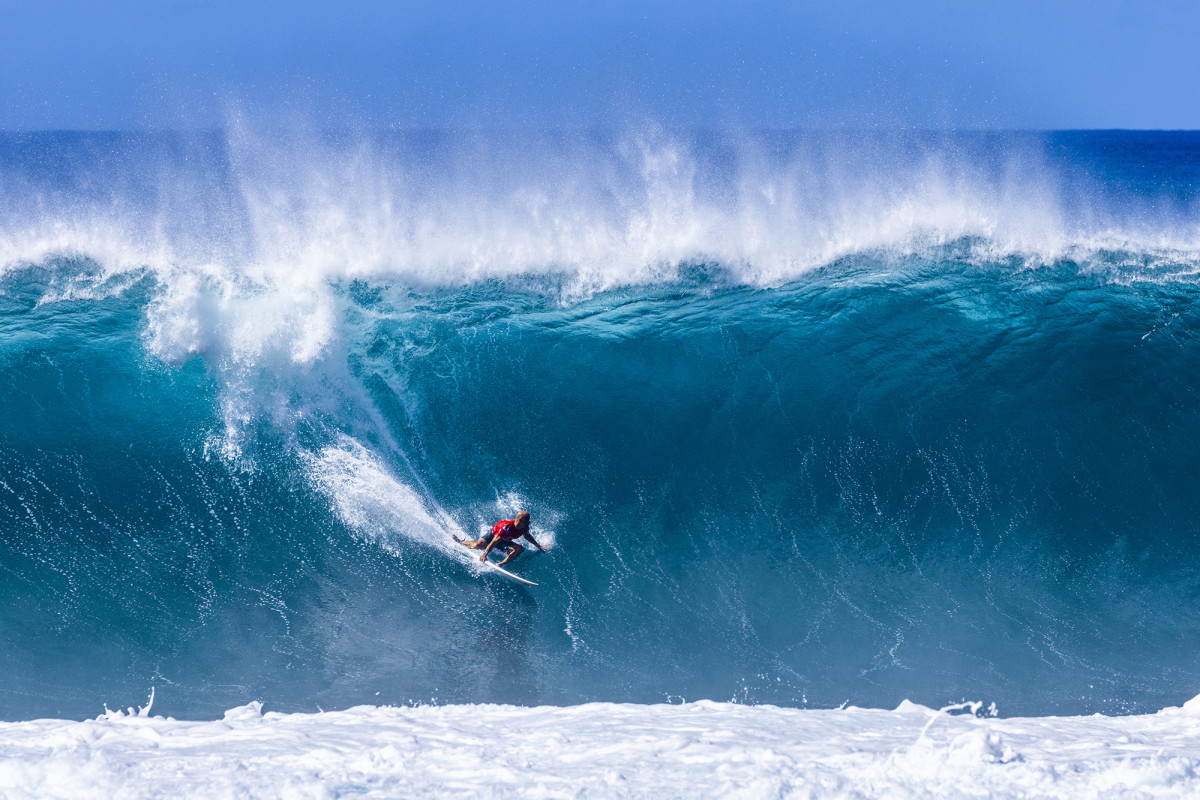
(491, 543)
(535, 544)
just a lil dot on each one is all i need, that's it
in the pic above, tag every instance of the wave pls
(247, 233)
(809, 419)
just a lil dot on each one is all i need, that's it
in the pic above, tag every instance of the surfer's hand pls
(483, 557)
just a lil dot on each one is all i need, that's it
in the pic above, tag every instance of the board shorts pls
(504, 545)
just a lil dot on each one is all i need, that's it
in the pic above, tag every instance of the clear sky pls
(1011, 63)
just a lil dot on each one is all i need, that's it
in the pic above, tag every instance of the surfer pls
(503, 537)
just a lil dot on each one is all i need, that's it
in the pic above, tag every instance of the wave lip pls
(263, 212)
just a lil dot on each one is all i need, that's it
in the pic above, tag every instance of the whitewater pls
(815, 425)
(700, 749)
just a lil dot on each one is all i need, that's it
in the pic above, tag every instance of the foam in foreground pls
(700, 749)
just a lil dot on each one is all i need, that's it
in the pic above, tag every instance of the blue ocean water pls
(809, 418)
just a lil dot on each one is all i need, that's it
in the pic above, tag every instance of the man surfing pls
(503, 537)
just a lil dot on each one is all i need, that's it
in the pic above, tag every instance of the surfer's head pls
(521, 520)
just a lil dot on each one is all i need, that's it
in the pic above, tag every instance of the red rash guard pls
(506, 529)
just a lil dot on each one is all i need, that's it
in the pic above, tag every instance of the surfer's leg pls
(514, 550)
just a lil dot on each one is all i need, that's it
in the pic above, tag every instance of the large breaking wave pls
(809, 418)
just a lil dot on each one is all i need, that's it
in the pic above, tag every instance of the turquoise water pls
(809, 419)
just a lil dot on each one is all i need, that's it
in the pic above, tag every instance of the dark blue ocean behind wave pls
(808, 419)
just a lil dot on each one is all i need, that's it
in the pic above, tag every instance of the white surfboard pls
(494, 566)
(507, 574)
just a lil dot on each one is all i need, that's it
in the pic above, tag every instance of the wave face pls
(807, 418)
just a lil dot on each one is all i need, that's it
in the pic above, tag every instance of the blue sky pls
(122, 64)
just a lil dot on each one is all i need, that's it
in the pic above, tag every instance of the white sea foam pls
(700, 749)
